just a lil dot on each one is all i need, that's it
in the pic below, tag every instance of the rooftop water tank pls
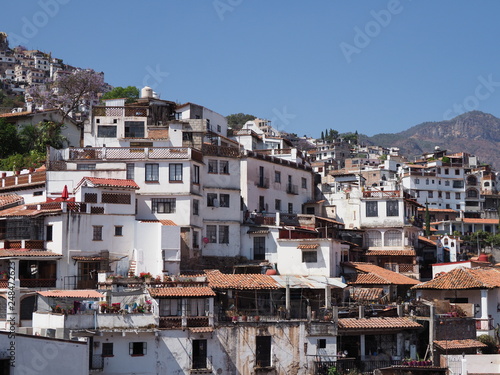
(146, 92)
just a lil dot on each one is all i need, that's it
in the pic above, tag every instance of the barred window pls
(393, 238)
(104, 131)
(224, 200)
(212, 166)
(212, 233)
(223, 234)
(371, 209)
(392, 208)
(115, 198)
(175, 172)
(90, 198)
(373, 238)
(97, 233)
(163, 205)
(224, 167)
(130, 171)
(196, 207)
(211, 200)
(134, 129)
(196, 174)
(85, 167)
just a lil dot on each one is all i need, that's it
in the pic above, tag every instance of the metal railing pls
(97, 362)
(344, 366)
(292, 189)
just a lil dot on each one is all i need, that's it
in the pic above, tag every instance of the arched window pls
(472, 180)
(373, 238)
(472, 193)
(393, 238)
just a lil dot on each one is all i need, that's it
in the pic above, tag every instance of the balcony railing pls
(120, 111)
(262, 182)
(485, 324)
(292, 189)
(97, 362)
(31, 283)
(382, 194)
(201, 365)
(178, 322)
(345, 366)
(120, 153)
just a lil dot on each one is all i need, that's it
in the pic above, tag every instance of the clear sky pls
(371, 66)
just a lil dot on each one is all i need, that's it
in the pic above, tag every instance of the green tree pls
(9, 139)
(491, 346)
(237, 120)
(322, 136)
(130, 93)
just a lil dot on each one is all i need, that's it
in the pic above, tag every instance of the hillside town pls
(159, 240)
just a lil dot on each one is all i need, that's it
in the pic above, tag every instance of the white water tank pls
(146, 92)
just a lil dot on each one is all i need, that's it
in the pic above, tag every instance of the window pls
(187, 136)
(196, 174)
(134, 129)
(277, 205)
(118, 230)
(262, 203)
(304, 183)
(290, 208)
(224, 200)
(457, 206)
(457, 172)
(373, 238)
(97, 233)
(85, 167)
(196, 240)
(458, 184)
(37, 193)
(212, 166)
(263, 351)
(90, 198)
(417, 181)
(196, 207)
(104, 131)
(115, 198)
(427, 181)
(163, 205)
(259, 248)
(472, 193)
(219, 128)
(371, 209)
(309, 256)
(392, 208)
(107, 349)
(321, 344)
(430, 194)
(175, 172)
(152, 172)
(447, 195)
(446, 171)
(48, 233)
(130, 171)
(223, 234)
(224, 167)
(393, 238)
(212, 200)
(447, 183)
(137, 348)
(277, 177)
(457, 195)
(199, 353)
(440, 194)
(212, 233)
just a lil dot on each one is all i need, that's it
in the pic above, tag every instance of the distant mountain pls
(473, 132)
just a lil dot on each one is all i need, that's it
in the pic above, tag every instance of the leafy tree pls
(9, 140)
(130, 93)
(491, 347)
(351, 137)
(237, 120)
(69, 91)
(38, 137)
(322, 136)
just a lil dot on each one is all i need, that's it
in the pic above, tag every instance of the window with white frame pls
(212, 233)
(373, 238)
(152, 173)
(213, 166)
(196, 174)
(224, 167)
(175, 172)
(130, 171)
(309, 256)
(212, 200)
(224, 200)
(371, 209)
(393, 238)
(392, 208)
(224, 234)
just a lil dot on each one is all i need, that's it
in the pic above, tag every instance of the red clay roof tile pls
(72, 293)
(464, 278)
(219, 280)
(459, 344)
(388, 276)
(190, 291)
(377, 323)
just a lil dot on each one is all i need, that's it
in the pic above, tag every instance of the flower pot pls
(243, 318)
(256, 318)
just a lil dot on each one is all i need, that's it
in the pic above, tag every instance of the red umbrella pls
(65, 194)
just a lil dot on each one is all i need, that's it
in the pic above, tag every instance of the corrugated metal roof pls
(308, 282)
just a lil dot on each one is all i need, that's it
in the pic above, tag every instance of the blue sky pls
(371, 66)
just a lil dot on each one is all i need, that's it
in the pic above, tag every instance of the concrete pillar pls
(361, 312)
(484, 303)
(211, 312)
(399, 345)
(328, 296)
(362, 346)
(287, 299)
(432, 317)
(184, 312)
(13, 297)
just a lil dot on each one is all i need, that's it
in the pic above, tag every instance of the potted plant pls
(4, 275)
(146, 276)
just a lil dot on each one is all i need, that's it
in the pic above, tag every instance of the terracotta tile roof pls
(377, 323)
(10, 199)
(112, 182)
(467, 220)
(410, 253)
(72, 293)
(367, 278)
(427, 240)
(459, 344)
(162, 222)
(329, 220)
(366, 294)
(308, 246)
(219, 280)
(191, 291)
(21, 253)
(439, 210)
(388, 276)
(258, 231)
(26, 113)
(464, 278)
(201, 329)
(30, 210)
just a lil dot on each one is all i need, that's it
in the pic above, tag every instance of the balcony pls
(128, 111)
(122, 153)
(378, 194)
(262, 182)
(348, 365)
(201, 365)
(31, 283)
(181, 322)
(292, 189)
